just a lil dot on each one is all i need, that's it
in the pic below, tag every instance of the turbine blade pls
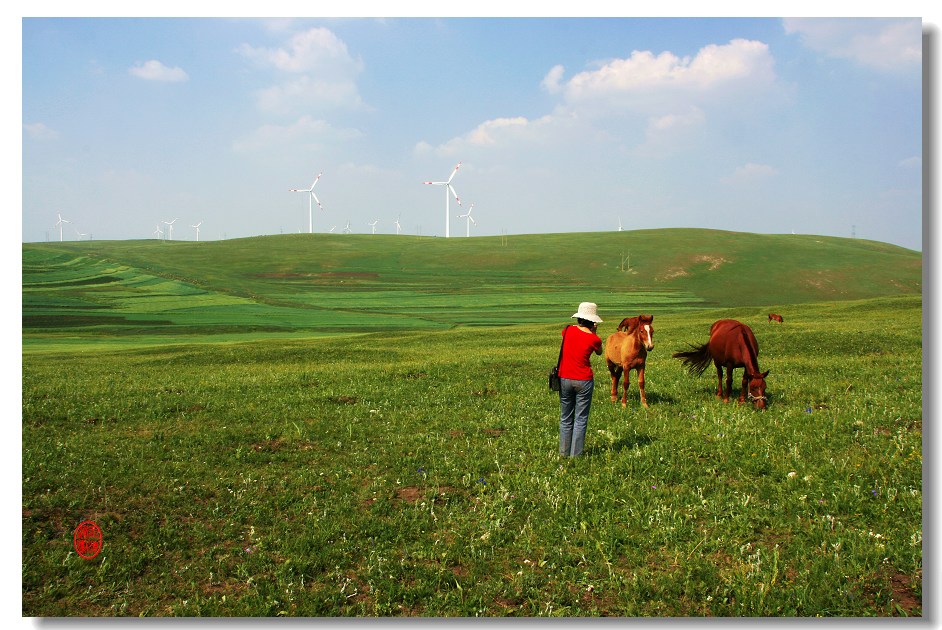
(454, 172)
(317, 200)
(454, 193)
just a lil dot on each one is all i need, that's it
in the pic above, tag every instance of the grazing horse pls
(626, 350)
(775, 318)
(732, 345)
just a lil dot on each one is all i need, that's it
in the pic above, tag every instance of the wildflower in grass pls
(792, 474)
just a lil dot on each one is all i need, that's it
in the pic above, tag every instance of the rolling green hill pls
(140, 291)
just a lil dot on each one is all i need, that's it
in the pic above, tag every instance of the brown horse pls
(626, 350)
(775, 318)
(732, 345)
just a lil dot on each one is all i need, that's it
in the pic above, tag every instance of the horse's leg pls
(729, 383)
(624, 386)
(614, 371)
(719, 380)
(644, 400)
(745, 386)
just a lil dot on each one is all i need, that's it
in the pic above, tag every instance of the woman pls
(576, 378)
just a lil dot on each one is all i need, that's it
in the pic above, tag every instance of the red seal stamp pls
(87, 539)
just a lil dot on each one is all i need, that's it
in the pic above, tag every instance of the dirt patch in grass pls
(410, 494)
(904, 595)
(268, 446)
(343, 400)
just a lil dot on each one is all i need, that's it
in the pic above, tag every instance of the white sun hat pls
(589, 312)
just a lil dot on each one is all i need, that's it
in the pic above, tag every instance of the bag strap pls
(560, 359)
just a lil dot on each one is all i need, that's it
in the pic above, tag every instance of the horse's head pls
(757, 389)
(640, 327)
(645, 324)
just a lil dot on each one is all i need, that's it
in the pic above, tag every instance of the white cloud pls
(751, 173)
(486, 133)
(305, 131)
(40, 131)
(153, 70)
(666, 75)
(911, 162)
(657, 101)
(307, 92)
(669, 132)
(552, 81)
(497, 132)
(323, 74)
(315, 50)
(886, 44)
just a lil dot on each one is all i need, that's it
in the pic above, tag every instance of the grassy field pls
(99, 293)
(411, 469)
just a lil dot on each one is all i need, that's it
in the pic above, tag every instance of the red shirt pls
(578, 347)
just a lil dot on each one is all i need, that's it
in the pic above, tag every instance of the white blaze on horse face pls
(650, 342)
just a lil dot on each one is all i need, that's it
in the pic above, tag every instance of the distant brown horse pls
(626, 350)
(732, 345)
(775, 318)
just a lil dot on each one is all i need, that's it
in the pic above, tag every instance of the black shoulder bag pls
(554, 383)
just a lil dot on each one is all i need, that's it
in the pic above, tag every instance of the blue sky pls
(811, 126)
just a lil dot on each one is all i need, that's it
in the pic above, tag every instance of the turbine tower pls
(170, 229)
(373, 225)
(59, 224)
(310, 206)
(346, 230)
(197, 226)
(158, 232)
(469, 218)
(448, 186)
(398, 227)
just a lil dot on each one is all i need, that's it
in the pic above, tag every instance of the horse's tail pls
(696, 359)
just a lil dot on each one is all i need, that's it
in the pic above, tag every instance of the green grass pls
(414, 472)
(105, 293)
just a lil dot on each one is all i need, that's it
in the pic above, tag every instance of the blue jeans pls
(575, 398)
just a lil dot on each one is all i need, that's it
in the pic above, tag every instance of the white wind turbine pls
(169, 229)
(448, 186)
(310, 206)
(197, 226)
(398, 227)
(158, 232)
(346, 230)
(59, 224)
(469, 218)
(620, 228)
(373, 225)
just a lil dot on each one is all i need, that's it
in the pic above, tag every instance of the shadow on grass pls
(654, 398)
(621, 444)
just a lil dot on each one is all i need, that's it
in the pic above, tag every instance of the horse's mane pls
(630, 324)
